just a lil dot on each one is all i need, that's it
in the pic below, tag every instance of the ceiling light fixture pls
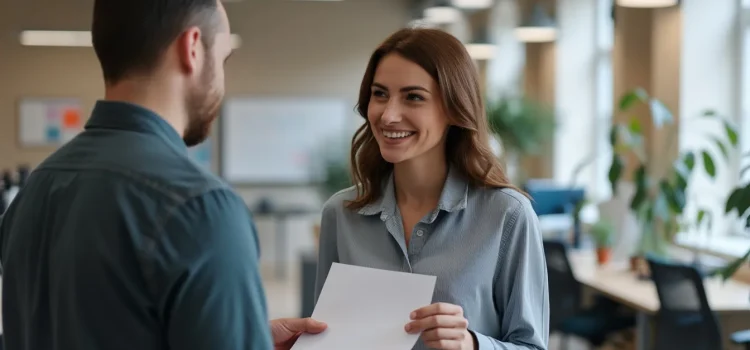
(647, 3)
(66, 38)
(442, 13)
(71, 38)
(481, 48)
(538, 28)
(472, 4)
(481, 51)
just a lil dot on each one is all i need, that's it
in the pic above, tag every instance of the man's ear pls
(189, 49)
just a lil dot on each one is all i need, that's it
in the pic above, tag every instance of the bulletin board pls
(279, 140)
(49, 122)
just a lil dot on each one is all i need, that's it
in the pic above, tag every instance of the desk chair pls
(566, 314)
(685, 320)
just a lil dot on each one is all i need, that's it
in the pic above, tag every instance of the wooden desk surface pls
(617, 282)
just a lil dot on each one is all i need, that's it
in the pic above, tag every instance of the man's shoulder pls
(146, 165)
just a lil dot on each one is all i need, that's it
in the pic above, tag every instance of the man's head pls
(181, 43)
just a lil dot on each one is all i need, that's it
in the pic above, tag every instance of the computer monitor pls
(550, 198)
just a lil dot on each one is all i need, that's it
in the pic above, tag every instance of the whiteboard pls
(278, 140)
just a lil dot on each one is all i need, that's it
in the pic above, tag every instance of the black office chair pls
(567, 316)
(685, 320)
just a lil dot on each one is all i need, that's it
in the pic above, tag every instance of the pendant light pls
(441, 12)
(647, 3)
(472, 4)
(481, 48)
(539, 27)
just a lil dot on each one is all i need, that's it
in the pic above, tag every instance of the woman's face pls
(405, 111)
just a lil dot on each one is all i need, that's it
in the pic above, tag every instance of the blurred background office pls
(626, 120)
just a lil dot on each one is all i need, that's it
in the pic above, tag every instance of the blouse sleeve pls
(327, 246)
(521, 286)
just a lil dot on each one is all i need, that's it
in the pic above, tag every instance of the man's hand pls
(285, 331)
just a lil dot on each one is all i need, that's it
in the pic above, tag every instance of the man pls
(120, 241)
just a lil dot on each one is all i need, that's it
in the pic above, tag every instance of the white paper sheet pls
(367, 309)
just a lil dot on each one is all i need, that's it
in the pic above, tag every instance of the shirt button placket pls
(417, 242)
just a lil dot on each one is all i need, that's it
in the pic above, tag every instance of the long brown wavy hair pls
(467, 145)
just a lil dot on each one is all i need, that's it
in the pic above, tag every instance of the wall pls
(289, 48)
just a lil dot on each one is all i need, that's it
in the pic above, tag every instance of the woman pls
(432, 199)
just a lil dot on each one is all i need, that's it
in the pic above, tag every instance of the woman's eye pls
(378, 93)
(414, 97)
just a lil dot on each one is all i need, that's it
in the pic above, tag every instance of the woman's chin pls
(393, 157)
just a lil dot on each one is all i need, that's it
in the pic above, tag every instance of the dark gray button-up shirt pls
(484, 246)
(120, 241)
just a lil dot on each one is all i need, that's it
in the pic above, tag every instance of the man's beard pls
(203, 105)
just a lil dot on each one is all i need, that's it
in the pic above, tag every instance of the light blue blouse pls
(484, 246)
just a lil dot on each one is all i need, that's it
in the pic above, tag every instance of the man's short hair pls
(130, 36)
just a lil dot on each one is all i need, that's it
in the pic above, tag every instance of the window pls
(603, 98)
(715, 74)
(744, 99)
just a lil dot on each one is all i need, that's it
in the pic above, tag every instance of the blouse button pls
(420, 233)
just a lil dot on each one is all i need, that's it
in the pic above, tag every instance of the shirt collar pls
(131, 117)
(453, 197)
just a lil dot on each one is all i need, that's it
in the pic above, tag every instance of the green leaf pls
(743, 204)
(708, 164)
(690, 160)
(628, 99)
(641, 188)
(731, 133)
(722, 147)
(674, 198)
(739, 200)
(634, 127)
(701, 215)
(613, 135)
(680, 181)
(709, 113)
(733, 201)
(728, 271)
(705, 215)
(660, 114)
(681, 171)
(615, 171)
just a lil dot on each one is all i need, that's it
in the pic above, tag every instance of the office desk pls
(280, 216)
(615, 281)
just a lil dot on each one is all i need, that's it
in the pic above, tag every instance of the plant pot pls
(635, 262)
(603, 255)
(639, 266)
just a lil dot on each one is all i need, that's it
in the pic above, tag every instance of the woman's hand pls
(443, 326)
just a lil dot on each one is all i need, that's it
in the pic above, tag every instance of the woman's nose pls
(392, 113)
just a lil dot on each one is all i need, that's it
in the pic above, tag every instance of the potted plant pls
(739, 201)
(603, 233)
(336, 177)
(661, 195)
(523, 127)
